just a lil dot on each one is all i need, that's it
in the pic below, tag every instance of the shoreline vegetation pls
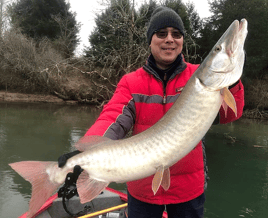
(30, 67)
(37, 65)
(35, 72)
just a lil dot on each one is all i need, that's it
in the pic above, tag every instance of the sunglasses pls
(162, 34)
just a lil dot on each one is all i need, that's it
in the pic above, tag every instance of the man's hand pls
(71, 178)
(68, 190)
(63, 158)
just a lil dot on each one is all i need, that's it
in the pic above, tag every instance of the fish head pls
(224, 64)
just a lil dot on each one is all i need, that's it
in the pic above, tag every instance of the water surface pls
(237, 156)
(35, 132)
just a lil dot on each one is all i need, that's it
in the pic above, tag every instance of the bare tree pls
(4, 17)
(67, 39)
(1, 16)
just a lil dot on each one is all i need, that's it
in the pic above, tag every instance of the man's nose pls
(169, 37)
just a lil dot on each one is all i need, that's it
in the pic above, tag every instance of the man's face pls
(166, 45)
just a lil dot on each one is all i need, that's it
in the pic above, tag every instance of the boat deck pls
(103, 201)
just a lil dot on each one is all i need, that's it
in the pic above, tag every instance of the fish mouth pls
(239, 35)
(230, 69)
(243, 25)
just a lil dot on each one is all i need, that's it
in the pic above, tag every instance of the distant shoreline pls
(42, 98)
(31, 98)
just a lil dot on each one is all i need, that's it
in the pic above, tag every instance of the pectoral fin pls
(228, 100)
(161, 177)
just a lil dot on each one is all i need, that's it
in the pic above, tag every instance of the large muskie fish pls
(159, 147)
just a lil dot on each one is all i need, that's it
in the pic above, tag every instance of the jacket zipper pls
(164, 86)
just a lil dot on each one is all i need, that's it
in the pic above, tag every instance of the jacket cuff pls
(235, 87)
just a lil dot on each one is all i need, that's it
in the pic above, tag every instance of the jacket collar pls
(176, 68)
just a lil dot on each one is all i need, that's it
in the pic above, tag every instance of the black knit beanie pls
(161, 18)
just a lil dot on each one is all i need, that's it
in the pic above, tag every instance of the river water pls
(237, 156)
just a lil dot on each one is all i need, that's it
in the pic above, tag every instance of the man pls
(140, 100)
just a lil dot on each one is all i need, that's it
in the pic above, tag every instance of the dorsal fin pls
(89, 141)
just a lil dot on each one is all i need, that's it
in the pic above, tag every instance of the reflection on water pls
(237, 157)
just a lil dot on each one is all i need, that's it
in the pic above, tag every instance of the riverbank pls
(32, 98)
(39, 98)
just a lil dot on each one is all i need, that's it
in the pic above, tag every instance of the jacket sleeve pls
(117, 116)
(238, 93)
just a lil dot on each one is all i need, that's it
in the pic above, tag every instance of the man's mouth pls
(168, 49)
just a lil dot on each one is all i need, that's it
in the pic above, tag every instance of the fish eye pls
(217, 48)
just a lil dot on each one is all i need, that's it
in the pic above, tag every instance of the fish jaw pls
(224, 64)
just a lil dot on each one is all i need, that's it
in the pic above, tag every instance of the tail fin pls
(42, 188)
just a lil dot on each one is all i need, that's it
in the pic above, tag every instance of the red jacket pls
(139, 101)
